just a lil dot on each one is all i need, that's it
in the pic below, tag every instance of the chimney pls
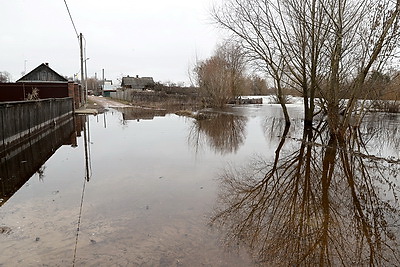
(137, 76)
(47, 64)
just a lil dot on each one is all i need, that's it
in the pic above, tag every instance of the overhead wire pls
(87, 177)
(70, 16)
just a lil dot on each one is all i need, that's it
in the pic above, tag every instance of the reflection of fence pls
(26, 158)
(20, 120)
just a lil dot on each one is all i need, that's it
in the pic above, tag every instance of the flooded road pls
(145, 192)
(148, 200)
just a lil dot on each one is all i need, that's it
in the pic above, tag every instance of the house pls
(137, 83)
(41, 83)
(108, 88)
(43, 73)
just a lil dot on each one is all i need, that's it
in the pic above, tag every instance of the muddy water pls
(148, 198)
(129, 188)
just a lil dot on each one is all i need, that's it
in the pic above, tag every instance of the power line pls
(80, 36)
(73, 24)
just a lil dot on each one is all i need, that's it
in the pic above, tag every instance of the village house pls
(108, 88)
(43, 73)
(41, 83)
(137, 82)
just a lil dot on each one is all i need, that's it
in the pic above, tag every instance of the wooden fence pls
(138, 96)
(23, 119)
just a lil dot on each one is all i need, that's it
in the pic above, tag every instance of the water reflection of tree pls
(384, 128)
(326, 203)
(225, 133)
(275, 126)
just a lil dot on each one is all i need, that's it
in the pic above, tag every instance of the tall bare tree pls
(322, 48)
(221, 78)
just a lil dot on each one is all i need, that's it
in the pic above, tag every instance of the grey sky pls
(155, 38)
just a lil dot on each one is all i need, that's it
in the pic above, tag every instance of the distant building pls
(42, 73)
(137, 82)
(108, 88)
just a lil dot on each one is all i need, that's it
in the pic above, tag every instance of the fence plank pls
(24, 118)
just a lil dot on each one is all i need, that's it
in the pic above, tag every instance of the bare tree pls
(321, 48)
(256, 85)
(320, 204)
(221, 77)
(94, 85)
(5, 77)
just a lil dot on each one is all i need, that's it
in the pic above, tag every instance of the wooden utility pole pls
(103, 82)
(83, 100)
(86, 86)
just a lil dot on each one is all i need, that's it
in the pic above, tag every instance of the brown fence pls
(22, 119)
(22, 91)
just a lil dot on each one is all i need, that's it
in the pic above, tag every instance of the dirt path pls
(107, 103)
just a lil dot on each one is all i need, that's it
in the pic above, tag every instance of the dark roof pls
(137, 83)
(43, 73)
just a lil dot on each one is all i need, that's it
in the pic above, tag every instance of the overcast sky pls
(157, 38)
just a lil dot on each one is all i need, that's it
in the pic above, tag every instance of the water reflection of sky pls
(149, 198)
(147, 183)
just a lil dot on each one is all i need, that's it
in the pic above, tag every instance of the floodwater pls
(122, 189)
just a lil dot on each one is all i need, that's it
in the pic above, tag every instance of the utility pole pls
(83, 100)
(86, 87)
(103, 81)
